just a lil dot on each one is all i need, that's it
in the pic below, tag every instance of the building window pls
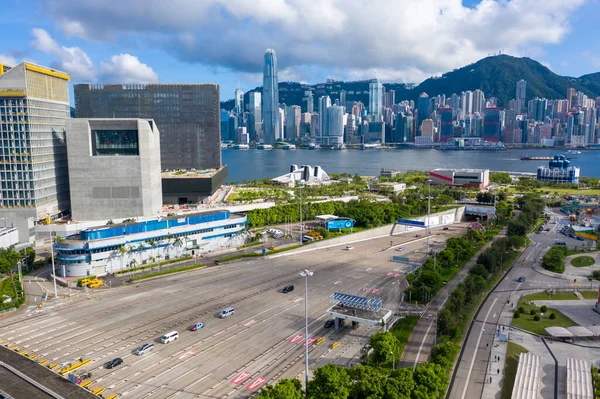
(115, 142)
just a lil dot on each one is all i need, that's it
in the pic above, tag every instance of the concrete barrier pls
(448, 217)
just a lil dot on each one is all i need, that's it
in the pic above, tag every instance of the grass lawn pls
(583, 261)
(552, 190)
(526, 322)
(402, 331)
(510, 368)
(559, 296)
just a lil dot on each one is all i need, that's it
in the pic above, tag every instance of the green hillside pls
(496, 76)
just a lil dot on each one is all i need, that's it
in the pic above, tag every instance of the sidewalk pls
(416, 348)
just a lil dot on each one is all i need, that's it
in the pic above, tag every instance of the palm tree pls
(178, 242)
(158, 258)
(132, 266)
(140, 248)
(152, 242)
(122, 250)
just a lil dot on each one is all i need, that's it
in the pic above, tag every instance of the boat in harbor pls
(288, 147)
(264, 147)
(241, 146)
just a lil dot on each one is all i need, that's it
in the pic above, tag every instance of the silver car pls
(144, 348)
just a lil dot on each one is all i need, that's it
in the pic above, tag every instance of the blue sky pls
(223, 41)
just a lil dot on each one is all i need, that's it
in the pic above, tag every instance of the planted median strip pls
(164, 272)
(582, 261)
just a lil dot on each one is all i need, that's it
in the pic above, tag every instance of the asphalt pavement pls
(231, 357)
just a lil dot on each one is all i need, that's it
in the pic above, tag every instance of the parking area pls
(236, 355)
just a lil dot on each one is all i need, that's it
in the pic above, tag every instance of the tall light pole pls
(428, 214)
(306, 274)
(52, 256)
(301, 187)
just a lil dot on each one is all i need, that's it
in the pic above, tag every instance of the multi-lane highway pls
(229, 357)
(471, 372)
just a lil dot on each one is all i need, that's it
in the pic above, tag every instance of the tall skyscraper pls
(343, 98)
(270, 106)
(478, 101)
(187, 116)
(375, 100)
(34, 108)
(571, 98)
(521, 93)
(404, 129)
(491, 125)
(422, 108)
(292, 122)
(254, 115)
(335, 120)
(310, 105)
(324, 103)
(446, 128)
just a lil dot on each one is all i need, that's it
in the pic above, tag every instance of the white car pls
(400, 249)
(144, 348)
(349, 247)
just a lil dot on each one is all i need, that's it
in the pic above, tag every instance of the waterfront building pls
(403, 132)
(280, 131)
(292, 122)
(114, 168)
(187, 116)
(422, 108)
(107, 249)
(559, 170)
(491, 125)
(428, 129)
(571, 99)
(446, 125)
(521, 95)
(375, 100)
(34, 109)
(461, 177)
(254, 115)
(309, 99)
(270, 107)
(478, 101)
(306, 174)
(314, 126)
(537, 109)
(324, 104)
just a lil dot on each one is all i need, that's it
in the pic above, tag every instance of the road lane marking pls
(375, 291)
(476, 349)
(296, 338)
(256, 383)
(241, 377)
(248, 324)
(310, 341)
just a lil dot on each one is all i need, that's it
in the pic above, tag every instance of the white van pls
(169, 337)
(226, 312)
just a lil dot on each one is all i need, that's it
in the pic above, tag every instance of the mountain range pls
(496, 76)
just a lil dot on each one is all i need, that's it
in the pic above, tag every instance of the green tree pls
(444, 354)
(433, 378)
(330, 382)
(384, 346)
(284, 389)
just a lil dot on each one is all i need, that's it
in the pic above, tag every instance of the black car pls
(521, 279)
(329, 323)
(114, 363)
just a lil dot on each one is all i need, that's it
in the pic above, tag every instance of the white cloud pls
(72, 60)
(8, 60)
(122, 68)
(407, 40)
(126, 68)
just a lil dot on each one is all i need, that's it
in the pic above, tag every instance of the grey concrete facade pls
(106, 185)
(186, 114)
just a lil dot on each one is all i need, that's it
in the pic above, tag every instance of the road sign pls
(241, 377)
(257, 383)
(415, 223)
(400, 259)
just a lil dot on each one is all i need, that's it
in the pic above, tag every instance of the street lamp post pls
(428, 214)
(301, 215)
(52, 256)
(306, 274)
